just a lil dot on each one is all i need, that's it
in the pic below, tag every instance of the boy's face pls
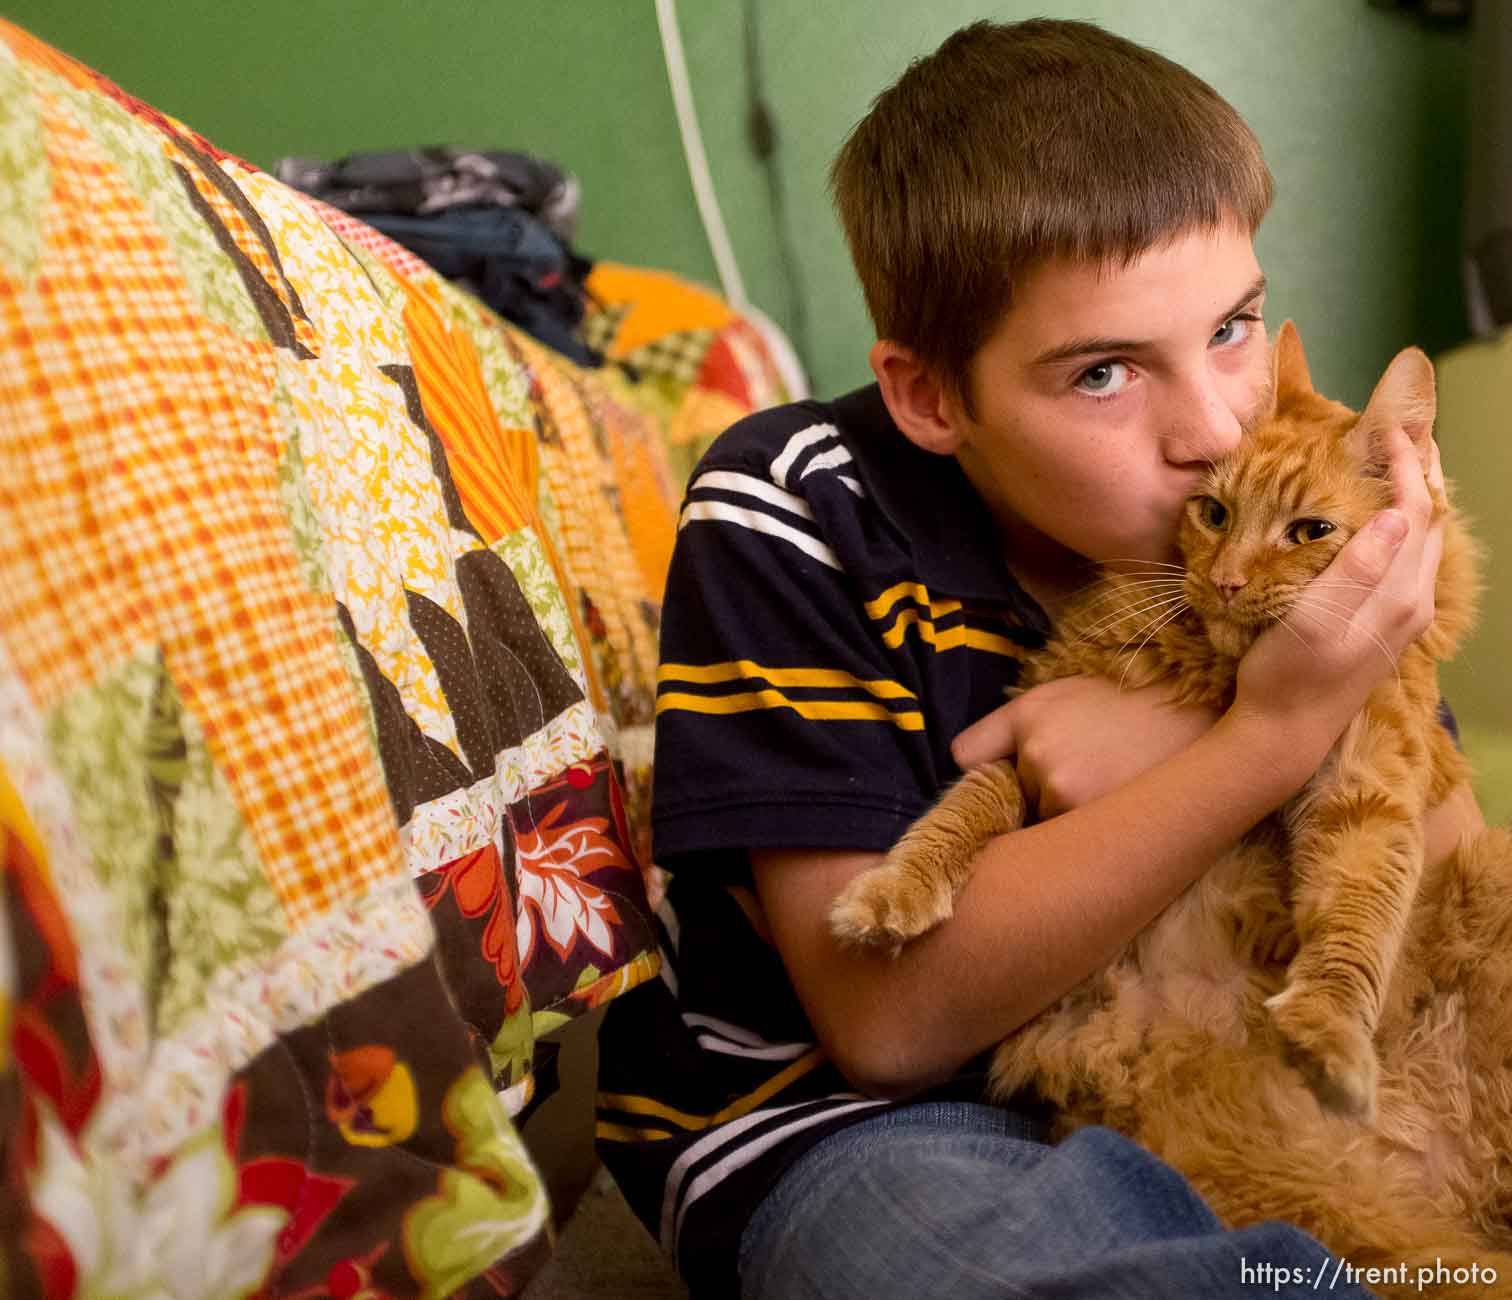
(1104, 393)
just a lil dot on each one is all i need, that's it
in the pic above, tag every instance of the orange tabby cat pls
(1319, 1029)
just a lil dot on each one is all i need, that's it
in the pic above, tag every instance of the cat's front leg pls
(1357, 858)
(914, 887)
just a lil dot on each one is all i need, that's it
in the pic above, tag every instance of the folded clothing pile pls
(497, 223)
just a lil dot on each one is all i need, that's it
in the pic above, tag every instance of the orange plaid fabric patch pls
(140, 507)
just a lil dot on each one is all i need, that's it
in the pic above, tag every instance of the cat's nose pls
(1230, 587)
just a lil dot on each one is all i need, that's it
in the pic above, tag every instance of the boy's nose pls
(1204, 427)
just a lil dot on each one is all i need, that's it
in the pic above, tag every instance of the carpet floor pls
(605, 1254)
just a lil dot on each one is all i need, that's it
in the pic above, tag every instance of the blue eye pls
(1234, 330)
(1104, 379)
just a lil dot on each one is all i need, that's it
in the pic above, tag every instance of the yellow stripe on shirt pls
(915, 591)
(633, 1105)
(820, 710)
(952, 638)
(704, 674)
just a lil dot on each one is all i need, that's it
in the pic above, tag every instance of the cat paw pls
(1334, 1053)
(884, 908)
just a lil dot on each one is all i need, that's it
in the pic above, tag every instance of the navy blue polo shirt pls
(837, 611)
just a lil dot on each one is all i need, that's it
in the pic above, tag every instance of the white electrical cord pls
(698, 162)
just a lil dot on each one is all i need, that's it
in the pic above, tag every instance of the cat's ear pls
(1289, 373)
(1406, 396)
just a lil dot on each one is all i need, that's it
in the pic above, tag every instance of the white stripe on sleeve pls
(751, 486)
(743, 1154)
(776, 1052)
(827, 460)
(795, 445)
(724, 512)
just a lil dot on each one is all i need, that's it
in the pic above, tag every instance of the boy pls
(1053, 228)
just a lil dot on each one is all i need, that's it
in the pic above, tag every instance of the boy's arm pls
(1076, 739)
(1043, 908)
(1047, 905)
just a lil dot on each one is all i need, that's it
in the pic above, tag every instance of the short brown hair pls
(1013, 143)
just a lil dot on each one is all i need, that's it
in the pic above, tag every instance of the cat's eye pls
(1212, 512)
(1309, 530)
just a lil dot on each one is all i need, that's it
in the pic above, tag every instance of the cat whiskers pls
(1153, 565)
(1134, 578)
(1158, 580)
(1158, 584)
(1151, 601)
(1170, 584)
(1156, 611)
(1301, 640)
(1344, 584)
(1183, 605)
(1129, 580)
(1115, 591)
(1344, 614)
(1153, 608)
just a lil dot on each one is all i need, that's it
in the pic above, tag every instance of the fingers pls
(1410, 472)
(1434, 547)
(988, 738)
(1418, 481)
(1365, 560)
(1391, 563)
(1433, 550)
(1370, 553)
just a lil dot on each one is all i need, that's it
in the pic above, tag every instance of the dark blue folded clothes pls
(509, 260)
(421, 182)
(497, 224)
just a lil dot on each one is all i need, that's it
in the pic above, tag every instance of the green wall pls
(1359, 110)
(579, 81)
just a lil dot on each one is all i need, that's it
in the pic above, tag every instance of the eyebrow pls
(1102, 345)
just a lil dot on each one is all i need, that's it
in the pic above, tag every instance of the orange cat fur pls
(1318, 1029)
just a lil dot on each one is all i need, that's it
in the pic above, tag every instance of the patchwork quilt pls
(328, 609)
(698, 364)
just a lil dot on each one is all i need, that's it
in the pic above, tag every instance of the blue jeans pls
(958, 1200)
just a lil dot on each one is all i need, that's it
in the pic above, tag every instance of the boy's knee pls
(1133, 1184)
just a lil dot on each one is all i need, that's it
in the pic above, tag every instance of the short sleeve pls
(781, 719)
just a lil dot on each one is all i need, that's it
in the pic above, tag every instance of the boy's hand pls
(1314, 671)
(1078, 738)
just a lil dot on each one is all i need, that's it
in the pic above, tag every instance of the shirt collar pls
(933, 505)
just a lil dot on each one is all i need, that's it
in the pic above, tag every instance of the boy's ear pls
(1289, 374)
(917, 399)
